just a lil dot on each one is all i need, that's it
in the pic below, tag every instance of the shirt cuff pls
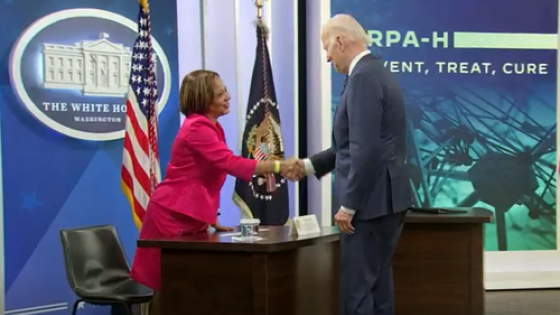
(309, 169)
(347, 211)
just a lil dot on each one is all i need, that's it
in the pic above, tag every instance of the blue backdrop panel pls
(481, 136)
(53, 180)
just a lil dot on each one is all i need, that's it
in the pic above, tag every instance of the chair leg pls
(121, 308)
(145, 308)
(75, 308)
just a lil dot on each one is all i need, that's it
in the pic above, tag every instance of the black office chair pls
(97, 269)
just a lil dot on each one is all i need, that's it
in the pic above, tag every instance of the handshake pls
(293, 169)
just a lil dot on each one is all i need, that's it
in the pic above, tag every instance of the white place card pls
(305, 225)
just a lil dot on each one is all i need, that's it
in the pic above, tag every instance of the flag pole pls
(259, 4)
(270, 178)
(144, 307)
(144, 4)
(264, 197)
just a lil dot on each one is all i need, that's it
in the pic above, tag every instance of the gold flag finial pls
(144, 4)
(260, 5)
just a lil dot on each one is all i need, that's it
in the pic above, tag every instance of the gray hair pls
(347, 26)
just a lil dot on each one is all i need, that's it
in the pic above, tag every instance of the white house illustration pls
(97, 68)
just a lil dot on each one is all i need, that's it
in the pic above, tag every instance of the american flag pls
(140, 171)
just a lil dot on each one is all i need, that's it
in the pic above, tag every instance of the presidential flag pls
(140, 171)
(265, 197)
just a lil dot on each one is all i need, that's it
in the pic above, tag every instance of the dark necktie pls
(343, 88)
(345, 83)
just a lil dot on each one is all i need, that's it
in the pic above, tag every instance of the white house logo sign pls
(71, 70)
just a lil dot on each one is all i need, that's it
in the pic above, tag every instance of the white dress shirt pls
(309, 169)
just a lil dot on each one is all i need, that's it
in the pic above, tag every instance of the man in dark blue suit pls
(367, 156)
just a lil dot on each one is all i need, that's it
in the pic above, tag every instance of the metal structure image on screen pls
(472, 146)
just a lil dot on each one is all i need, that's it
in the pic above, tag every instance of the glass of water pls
(249, 230)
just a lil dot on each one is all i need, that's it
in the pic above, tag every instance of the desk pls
(282, 275)
(439, 264)
(438, 270)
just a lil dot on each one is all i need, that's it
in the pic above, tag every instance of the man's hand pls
(293, 169)
(344, 221)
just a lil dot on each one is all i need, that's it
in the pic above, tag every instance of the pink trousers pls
(159, 222)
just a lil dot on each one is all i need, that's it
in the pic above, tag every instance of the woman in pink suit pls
(187, 200)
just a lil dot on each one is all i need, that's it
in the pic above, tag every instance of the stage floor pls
(533, 302)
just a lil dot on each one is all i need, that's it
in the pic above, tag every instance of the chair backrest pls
(94, 258)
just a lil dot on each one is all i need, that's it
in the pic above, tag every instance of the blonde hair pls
(346, 26)
(197, 92)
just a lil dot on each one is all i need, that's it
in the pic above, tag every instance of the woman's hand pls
(220, 228)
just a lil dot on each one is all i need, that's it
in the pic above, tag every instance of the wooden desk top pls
(275, 238)
(472, 215)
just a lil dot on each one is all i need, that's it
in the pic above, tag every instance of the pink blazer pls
(200, 160)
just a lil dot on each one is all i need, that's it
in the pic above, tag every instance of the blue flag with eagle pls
(265, 197)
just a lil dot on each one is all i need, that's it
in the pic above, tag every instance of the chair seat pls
(126, 291)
